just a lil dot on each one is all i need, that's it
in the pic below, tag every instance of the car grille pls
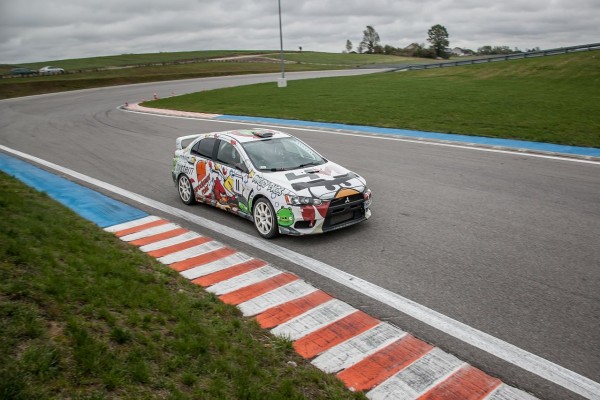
(344, 211)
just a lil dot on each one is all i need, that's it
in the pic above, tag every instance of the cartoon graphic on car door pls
(228, 174)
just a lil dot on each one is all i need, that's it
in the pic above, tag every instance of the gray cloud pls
(36, 30)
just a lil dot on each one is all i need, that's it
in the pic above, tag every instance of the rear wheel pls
(186, 192)
(265, 219)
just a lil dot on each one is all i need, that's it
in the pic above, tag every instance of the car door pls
(201, 156)
(229, 173)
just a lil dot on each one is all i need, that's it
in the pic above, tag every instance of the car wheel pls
(265, 219)
(186, 192)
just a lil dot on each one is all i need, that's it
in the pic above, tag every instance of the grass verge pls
(86, 316)
(17, 87)
(549, 99)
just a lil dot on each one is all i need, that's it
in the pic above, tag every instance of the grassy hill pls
(548, 99)
(138, 68)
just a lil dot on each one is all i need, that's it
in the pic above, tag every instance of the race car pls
(271, 178)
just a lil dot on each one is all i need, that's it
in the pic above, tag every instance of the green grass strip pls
(86, 316)
(549, 99)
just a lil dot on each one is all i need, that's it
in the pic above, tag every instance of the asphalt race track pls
(505, 243)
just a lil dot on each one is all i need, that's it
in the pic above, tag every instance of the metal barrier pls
(506, 57)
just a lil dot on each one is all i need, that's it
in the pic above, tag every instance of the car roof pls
(250, 135)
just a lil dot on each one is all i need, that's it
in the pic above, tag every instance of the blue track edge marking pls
(507, 143)
(91, 205)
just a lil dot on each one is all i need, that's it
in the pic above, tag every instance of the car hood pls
(325, 181)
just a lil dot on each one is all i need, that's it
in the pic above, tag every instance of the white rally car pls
(271, 178)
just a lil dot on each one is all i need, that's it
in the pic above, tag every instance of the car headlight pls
(302, 201)
(368, 198)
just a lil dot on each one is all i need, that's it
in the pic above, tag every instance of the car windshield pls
(281, 154)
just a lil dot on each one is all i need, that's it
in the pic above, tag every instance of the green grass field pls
(86, 316)
(551, 99)
(139, 68)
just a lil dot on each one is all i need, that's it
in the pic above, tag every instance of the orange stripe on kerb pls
(178, 247)
(468, 383)
(338, 332)
(381, 365)
(252, 291)
(141, 227)
(282, 313)
(230, 272)
(158, 237)
(202, 259)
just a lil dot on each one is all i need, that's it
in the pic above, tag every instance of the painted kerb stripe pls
(374, 354)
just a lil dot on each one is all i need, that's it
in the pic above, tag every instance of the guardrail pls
(507, 57)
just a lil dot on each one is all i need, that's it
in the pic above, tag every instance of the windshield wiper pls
(308, 164)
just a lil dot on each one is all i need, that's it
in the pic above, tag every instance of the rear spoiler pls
(179, 141)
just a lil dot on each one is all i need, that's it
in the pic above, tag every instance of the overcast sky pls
(42, 30)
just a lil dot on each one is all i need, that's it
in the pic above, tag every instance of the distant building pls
(457, 51)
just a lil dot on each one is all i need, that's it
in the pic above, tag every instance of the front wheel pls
(265, 219)
(186, 192)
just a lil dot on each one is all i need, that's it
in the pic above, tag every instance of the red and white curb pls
(365, 353)
(136, 107)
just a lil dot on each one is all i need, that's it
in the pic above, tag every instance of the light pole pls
(281, 82)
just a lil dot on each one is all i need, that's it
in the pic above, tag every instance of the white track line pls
(382, 136)
(528, 361)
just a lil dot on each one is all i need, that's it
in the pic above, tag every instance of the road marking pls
(241, 281)
(313, 319)
(161, 228)
(202, 259)
(265, 286)
(132, 224)
(158, 237)
(375, 136)
(528, 361)
(207, 246)
(284, 294)
(417, 379)
(177, 247)
(229, 272)
(351, 352)
(383, 364)
(166, 242)
(215, 266)
(333, 334)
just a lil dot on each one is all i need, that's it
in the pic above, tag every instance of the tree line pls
(438, 39)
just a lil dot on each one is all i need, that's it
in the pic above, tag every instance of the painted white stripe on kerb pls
(419, 377)
(215, 266)
(169, 242)
(131, 224)
(314, 319)
(191, 252)
(247, 279)
(505, 392)
(274, 298)
(352, 351)
(150, 232)
(530, 362)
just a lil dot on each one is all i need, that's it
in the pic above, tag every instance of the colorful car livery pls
(271, 178)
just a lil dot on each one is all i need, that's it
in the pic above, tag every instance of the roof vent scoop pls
(263, 134)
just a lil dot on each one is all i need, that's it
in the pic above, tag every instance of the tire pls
(265, 219)
(185, 189)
